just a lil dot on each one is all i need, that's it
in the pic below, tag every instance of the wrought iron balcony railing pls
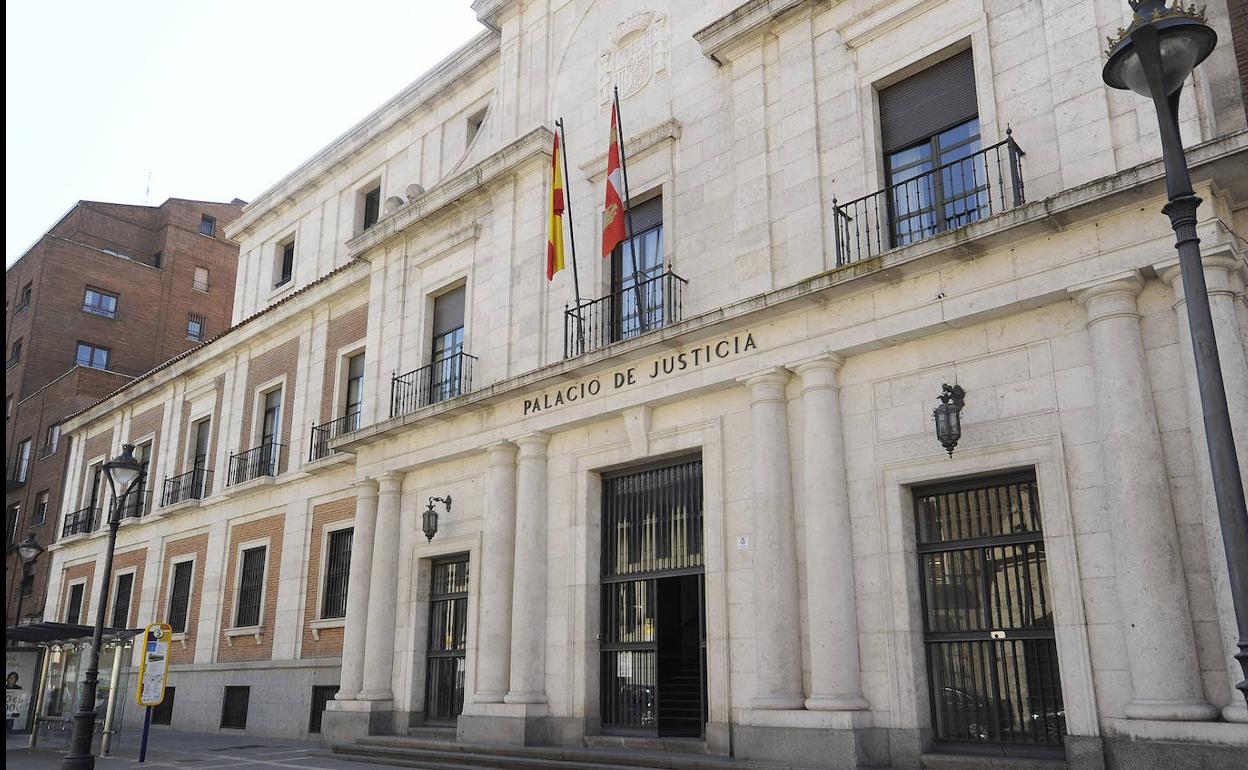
(944, 198)
(442, 379)
(137, 504)
(321, 434)
(255, 463)
(47, 450)
(80, 521)
(195, 484)
(635, 309)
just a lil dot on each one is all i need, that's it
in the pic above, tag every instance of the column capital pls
(365, 487)
(391, 482)
(1110, 296)
(819, 371)
(501, 453)
(533, 443)
(1221, 272)
(767, 385)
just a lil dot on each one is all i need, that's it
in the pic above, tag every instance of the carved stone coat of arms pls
(635, 55)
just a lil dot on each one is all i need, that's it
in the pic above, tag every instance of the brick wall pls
(246, 647)
(283, 359)
(122, 562)
(146, 424)
(184, 651)
(76, 572)
(330, 643)
(342, 331)
(95, 446)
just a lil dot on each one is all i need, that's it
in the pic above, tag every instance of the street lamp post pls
(1152, 57)
(123, 473)
(29, 549)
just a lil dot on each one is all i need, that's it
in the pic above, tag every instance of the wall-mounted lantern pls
(429, 519)
(948, 416)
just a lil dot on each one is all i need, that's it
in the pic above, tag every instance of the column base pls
(1170, 711)
(375, 695)
(841, 739)
(837, 703)
(1237, 713)
(508, 724)
(346, 721)
(489, 697)
(777, 702)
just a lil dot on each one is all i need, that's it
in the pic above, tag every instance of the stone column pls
(832, 608)
(1148, 567)
(497, 555)
(528, 597)
(383, 589)
(777, 646)
(351, 680)
(1224, 283)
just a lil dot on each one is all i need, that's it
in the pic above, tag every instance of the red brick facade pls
(347, 328)
(330, 642)
(246, 647)
(183, 651)
(281, 360)
(123, 562)
(72, 574)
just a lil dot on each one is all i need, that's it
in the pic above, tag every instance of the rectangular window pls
(8, 408)
(200, 281)
(286, 263)
(21, 465)
(474, 126)
(355, 390)
(250, 588)
(52, 439)
(121, 601)
(195, 327)
(28, 582)
(99, 302)
(14, 514)
(157, 258)
(234, 707)
(271, 419)
(23, 301)
(929, 126)
(180, 596)
(372, 207)
(337, 567)
(207, 225)
(321, 694)
(73, 612)
(91, 355)
(202, 431)
(446, 364)
(15, 353)
(40, 514)
(163, 714)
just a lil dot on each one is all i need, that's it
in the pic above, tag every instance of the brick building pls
(110, 291)
(708, 505)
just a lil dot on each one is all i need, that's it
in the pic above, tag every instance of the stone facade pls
(802, 373)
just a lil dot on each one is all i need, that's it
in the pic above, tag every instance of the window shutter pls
(939, 97)
(647, 215)
(448, 312)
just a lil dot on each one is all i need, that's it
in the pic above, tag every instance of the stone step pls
(979, 762)
(639, 743)
(621, 757)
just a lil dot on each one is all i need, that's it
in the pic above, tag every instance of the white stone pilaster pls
(1156, 619)
(528, 598)
(497, 569)
(1221, 280)
(351, 680)
(777, 646)
(382, 591)
(832, 612)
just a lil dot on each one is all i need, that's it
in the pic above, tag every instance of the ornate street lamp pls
(1152, 57)
(948, 416)
(123, 473)
(29, 550)
(429, 519)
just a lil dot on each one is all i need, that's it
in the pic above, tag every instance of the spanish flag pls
(554, 240)
(613, 208)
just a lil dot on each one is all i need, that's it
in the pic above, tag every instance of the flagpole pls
(567, 205)
(628, 210)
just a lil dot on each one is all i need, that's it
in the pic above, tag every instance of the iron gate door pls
(448, 636)
(653, 672)
(988, 615)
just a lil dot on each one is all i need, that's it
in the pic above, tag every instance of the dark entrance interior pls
(653, 673)
(988, 617)
(448, 637)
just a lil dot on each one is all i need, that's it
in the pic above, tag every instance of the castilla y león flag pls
(613, 211)
(554, 239)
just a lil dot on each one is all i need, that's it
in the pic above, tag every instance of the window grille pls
(180, 597)
(337, 567)
(234, 707)
(121, 600)
(250, 588)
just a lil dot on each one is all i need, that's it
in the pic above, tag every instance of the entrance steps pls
(975, 762)
(430, 754)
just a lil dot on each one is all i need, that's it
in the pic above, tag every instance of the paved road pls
(190, 751)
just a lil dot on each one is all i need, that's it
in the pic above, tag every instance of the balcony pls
(16, 470)
(45, 451)
(933, 202)
(255, 463)
(80, 522)
(137, 504)
(631, 311)
(443, 379)
(321, 434)
(195, 484)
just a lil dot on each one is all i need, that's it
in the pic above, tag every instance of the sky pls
(133, 101)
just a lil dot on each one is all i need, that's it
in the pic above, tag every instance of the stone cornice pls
(477, 51)
(639, 146)
(881, 18)
(490, 12)
(741, 25)
(535, 144)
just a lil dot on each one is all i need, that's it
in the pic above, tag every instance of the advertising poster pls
(21, 669)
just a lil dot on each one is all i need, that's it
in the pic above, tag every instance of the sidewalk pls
(203, 751)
